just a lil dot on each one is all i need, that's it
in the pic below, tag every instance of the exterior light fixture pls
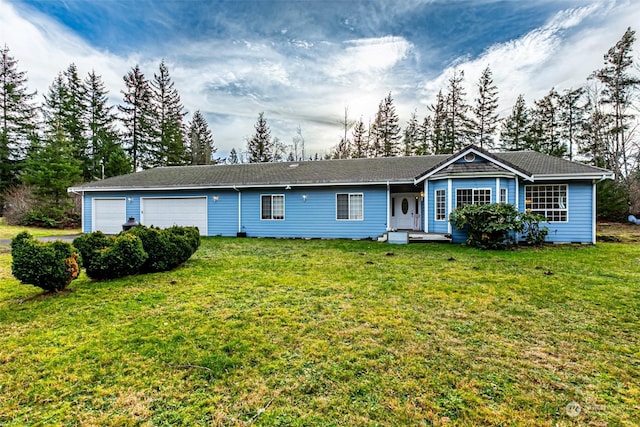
(215, 198)
(304, 197)
(422, 194)
(129, 199)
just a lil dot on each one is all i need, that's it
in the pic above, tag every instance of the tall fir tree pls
(457, 126)
(572, 117)
(619, 85)
(138, 119)
(359, 149)
(514, 135)
(260, 147)
(425, 137)
(52, 168)
(105, 151)
(438, 129)
(386, 133)
(342, 150)
(233, 157)
(170, 148)
(74, 118)
(485, 121)
(545, 129)
(18, 120)
(200, 140)
(411, 136)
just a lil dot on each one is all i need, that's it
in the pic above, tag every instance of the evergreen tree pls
(411, 135)
(137, 118)
(18, 119)
(342, 150)
(260, 147)
(545, 131)
(457, 127)
(52, 168)
(425, 136)
(74, 118)
(233, 157)
(169, 148)
(485, 117)
(200, 140)
(103, 142)
(439, 126)
(572, 117)
(514, 135)
(359, 149)
(616, 95)
(386, 130)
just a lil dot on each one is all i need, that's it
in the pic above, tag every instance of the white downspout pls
(239, 209)
(449, 203)
(388, 207)
(425, 207)
(593, 213)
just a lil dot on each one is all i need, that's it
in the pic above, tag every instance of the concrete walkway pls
(65, 238)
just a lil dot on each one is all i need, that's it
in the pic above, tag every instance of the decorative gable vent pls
(469, 157)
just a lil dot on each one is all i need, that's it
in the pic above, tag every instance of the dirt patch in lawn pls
(617, 232)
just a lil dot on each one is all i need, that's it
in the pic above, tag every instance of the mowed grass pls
(332, 333)
(8, 232)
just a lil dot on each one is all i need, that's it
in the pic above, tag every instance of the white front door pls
(405, 211)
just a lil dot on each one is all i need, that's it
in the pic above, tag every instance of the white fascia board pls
(573, 177)
(474, 175)
(241, 186)
(477, 153)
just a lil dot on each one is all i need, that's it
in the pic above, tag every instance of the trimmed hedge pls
(110, 257)
(138, 250)
(167, 248)
(48, 265)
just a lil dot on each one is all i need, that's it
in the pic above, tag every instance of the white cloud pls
(560, 54)
(369, 55)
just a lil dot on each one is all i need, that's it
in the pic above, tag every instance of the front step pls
(414, 237)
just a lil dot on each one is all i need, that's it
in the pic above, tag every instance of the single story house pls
(352, 198)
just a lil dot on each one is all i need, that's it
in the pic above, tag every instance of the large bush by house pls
(48, 265)
(167, 248)
(139, 250)
(494, 226)
(110, 257)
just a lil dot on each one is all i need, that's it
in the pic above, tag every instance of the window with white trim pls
(504, 195)
(272, 207)
(440, 205)
(349, 206)
(547, 200)
(472, 196)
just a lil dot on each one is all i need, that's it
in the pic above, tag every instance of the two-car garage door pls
(164, 212)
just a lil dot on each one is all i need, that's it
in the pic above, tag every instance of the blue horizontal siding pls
(315, 217)
(579, 225)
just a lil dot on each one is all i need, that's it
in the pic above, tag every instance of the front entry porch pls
(406, 211)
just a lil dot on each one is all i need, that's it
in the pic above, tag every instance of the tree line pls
(594, 123)
(74, 135)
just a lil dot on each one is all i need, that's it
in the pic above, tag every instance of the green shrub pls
(50, 266)
(110, 257)
(494, 226)
(167, 248)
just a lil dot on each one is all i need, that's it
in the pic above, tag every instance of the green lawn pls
(303, 333)
(7, 232)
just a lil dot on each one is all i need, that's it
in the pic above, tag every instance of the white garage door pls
(165, 212)
(109, 215)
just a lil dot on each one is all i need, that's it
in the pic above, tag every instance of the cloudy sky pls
(303, 62)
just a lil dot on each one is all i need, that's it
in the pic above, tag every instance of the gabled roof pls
(393, 170)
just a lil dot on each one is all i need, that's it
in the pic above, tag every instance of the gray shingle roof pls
(327, 172)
